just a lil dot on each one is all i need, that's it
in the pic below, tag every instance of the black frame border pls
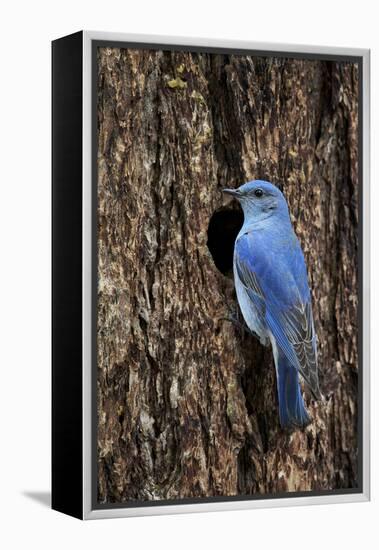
(67, 269)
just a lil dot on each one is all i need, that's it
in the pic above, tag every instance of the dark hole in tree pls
(223, 229)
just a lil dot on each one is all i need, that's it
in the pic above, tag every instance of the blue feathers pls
(292, 412)
(273, 293)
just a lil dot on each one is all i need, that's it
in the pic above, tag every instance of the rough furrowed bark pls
(187, 403)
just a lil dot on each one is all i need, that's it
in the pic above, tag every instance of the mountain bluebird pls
(272, 290)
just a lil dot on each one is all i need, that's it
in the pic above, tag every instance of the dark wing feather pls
(297, 323)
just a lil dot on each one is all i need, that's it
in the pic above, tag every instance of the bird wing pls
(250, 281)
(277, 283)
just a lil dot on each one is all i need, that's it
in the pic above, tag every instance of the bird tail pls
(292, 411)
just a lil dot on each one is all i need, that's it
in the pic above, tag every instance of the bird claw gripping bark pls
(233, 318)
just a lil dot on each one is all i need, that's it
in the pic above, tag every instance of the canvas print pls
(227, 197)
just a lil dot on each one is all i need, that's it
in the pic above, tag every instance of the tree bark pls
(187, 403)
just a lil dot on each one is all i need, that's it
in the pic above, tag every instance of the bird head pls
(259, 200)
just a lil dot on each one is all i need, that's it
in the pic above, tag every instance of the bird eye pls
(258, 193)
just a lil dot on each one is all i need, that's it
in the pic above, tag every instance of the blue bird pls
(272, 289)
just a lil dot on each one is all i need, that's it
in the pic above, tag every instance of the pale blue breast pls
(249, 312)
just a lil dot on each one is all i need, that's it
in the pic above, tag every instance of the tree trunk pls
(187, 403)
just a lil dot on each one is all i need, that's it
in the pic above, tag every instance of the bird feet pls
(233, 317)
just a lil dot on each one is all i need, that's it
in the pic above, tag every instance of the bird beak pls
(233, 192)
